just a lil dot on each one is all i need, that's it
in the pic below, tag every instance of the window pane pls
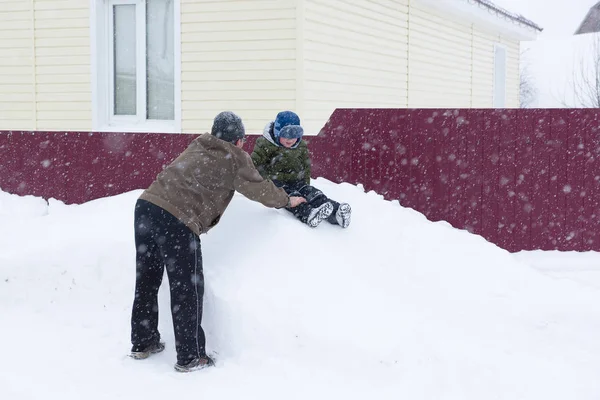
(124, 59)
(160, 60)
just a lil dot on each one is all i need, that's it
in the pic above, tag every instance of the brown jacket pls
(199, 184)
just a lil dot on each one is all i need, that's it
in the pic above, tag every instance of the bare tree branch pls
(527, 90)
(586, 79)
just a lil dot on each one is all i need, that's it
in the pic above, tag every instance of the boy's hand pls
(296, 201)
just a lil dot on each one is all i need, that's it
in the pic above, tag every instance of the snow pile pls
(393, 307)
(12, 205)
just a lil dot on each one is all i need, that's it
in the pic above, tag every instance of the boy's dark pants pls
(161, 241)
(314, 198)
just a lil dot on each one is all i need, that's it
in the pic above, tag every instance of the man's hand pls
(296, 201)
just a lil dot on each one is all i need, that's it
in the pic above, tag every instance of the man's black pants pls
(161, 241)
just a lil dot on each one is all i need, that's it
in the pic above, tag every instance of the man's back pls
(198, 185)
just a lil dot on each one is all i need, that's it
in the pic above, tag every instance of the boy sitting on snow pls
(282, 156)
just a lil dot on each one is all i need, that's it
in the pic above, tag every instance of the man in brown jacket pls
(187, 199)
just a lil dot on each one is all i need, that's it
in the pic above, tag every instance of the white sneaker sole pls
(343, 215)
(323, 212)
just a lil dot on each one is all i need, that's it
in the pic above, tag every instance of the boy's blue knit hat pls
(287, 126)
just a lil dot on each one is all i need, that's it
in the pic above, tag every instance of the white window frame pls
(500, 93)
(102, 55)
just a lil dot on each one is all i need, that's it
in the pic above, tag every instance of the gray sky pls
(559, 18)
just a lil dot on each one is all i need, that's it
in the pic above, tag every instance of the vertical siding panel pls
(458, 130)
(507, 177)
(404, 149)
(440, 59)
(440, 141)
(591, 214)
(512, 71)
(474, 171)
(489, 206)
(237, 55)
(62, 64)
(560, 133)
(17, 89)
(575, 185)
(463, 127)
(483, 68)
(372, 148)
(537, 129)
(428, 185)
(407, 150)
(417, 154)
(451, 62)
(554, 148)
(390, 153)
(34, 69)
(355, 57)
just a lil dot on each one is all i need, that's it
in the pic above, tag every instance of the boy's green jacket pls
(279, 164)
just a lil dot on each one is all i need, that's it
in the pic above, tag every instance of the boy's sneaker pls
(343, 215)
(195, 364)
(140, 354)
(318, 214)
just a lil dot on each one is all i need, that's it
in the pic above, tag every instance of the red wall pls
(523, 179)
(79, 166)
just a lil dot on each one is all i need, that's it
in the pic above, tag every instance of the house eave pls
(486, 14)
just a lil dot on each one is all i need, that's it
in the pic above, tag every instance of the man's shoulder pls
(220, 148)
(203, 137)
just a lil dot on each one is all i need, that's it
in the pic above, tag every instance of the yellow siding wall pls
(385, 53)
(45, 77)
(258, 57)
(354, 54)
(63, 69)
(17, 107)
(483, 68)
(237, 55)
(440, 60)
(513, 55)
(451, 62)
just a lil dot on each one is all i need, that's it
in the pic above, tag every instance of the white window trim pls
(101, 97)
(494, 92)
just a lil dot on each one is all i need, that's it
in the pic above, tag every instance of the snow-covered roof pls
(489, 14)
(591, 22)
(503, 13)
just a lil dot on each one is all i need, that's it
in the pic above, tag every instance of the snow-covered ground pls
(583, 268)
(393, 307)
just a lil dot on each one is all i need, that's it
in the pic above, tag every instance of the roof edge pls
(508, 14)
(488, 14)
